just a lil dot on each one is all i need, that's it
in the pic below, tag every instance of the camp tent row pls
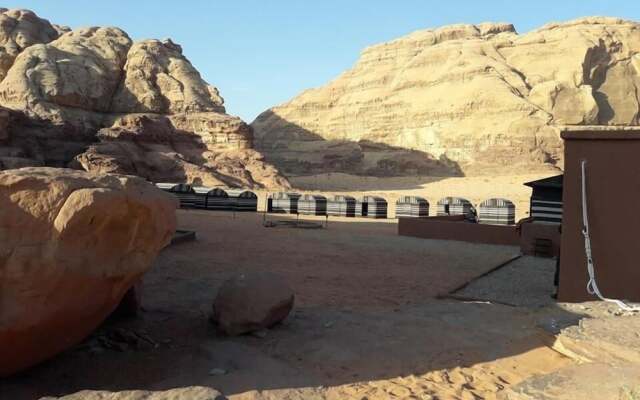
(313, 204)
(492, 211)
(222, 199)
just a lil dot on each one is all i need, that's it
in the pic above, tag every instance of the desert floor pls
(474, 188)
(370, 322)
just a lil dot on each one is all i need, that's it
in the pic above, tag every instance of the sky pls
(260, 53)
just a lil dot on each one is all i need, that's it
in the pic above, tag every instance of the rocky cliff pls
(470, 99)
(91, 98)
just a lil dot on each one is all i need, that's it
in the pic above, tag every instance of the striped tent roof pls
(175, 187)
(284, 195)
(342, 198)
(241, 193)
(412, 200)
(211, 192)
(313, 197)
(453, 201)
(498, 202)
(373, 199)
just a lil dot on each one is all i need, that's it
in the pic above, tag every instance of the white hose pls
(592, 286)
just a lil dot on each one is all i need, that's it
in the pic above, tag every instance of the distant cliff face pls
(461, 99)
(92, 99)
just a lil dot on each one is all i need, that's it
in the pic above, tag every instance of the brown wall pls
(531, 231)
(613, 195)
(437, 228)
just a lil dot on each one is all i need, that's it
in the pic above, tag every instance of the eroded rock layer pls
(91, 98)
(462, 98)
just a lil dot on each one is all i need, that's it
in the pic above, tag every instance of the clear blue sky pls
(260, 53)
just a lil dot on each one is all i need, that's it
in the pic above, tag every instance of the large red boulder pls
(71, 245)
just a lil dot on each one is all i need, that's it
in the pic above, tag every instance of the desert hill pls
(93, 99)
(461, 99)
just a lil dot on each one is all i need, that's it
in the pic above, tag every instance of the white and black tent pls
(312, 204)
(212, 198)
(185, 193)
(497, 212)
(372, 207)
(341, 206)
(546, 200)
(282, 202)
(456, 206)
(243, 200)
(412, 207)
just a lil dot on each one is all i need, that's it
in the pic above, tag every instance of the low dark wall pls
(532, 231)
(437, 228)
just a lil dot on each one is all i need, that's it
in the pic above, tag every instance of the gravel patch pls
(525, 282)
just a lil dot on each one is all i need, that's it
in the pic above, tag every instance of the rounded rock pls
(252, 301)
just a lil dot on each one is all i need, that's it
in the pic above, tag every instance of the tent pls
(282, 202)
(456, 206)
(243, 200)
(212, 198)
(341, 206)
(312, 204)
(185, 193)
(412, 207)
(546, 200)
(372, 207)
(497, 212)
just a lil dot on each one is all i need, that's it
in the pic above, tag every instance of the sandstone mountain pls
(93, 99)
(470, 99)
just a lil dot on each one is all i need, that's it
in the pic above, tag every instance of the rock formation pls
(20, 29)
(187, 393)
(71, 244)
(155, 148)
(462, 98)
(597, 380)
(87, 98)
(252, 301)
(158, 79)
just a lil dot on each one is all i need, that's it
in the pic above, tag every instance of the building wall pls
(613, 193)
(532, 231)
(443, 229)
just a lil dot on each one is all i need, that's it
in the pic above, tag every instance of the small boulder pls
(252, 301)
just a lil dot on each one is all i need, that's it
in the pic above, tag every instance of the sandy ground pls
(360, 263)
(474, 188)
(366, 324)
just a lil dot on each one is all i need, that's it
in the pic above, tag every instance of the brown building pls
(612, 161)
